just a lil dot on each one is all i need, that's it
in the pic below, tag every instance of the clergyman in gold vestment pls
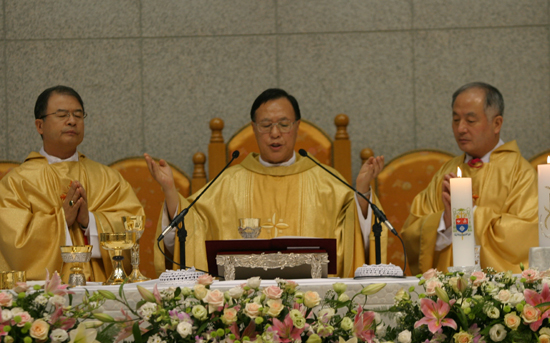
(60, 197)
(288, 191)
(504, 188)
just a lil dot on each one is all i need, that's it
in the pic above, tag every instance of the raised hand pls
(162, 173)
(369, 170)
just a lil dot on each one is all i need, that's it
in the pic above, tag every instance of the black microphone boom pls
(177, 219)
(379, 214)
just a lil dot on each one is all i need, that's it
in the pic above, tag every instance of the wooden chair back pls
(336, 153)
(396, 186)
(541, 158)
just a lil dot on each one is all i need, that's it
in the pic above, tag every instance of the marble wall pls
(153, 73)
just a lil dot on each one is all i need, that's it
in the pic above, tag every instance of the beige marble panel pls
(105, 73)
(515, 60)
(163, 18)
(366, 76)
(190, 81)
(29, 19)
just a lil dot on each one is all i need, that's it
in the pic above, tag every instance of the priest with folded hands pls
(504, 188)
(288, 192)
(60, 197)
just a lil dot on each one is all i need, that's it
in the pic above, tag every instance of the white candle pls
(544, 203)
(462, 218)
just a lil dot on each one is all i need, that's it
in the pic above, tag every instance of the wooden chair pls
(541, 158)
(396, 186)
(314, 140)
(134, 170)
(6, 166)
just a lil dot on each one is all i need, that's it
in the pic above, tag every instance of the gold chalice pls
(135, 224)
(77, 255)
(117, 242)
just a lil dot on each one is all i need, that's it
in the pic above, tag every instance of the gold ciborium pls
(77, 255)
(135, 224)
(117, 242)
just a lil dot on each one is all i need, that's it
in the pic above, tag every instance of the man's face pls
(61, 136)
(476, 132)
(275, 146)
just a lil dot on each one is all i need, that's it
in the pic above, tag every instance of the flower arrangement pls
(42, 314)
(485, 307)
(248, 313)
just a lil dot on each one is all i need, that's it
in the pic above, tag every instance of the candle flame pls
(458, 172)
(548, 159)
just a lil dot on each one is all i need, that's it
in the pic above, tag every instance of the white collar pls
(486, 157)
(283, 164)
(52, 159)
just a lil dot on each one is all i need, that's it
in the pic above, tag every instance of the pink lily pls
(127, 326)
(286, 330)
(156, 293)
(534, 299)
(249, 331)
(363, 325)
(57, 319)
(55, 285)
(435, 314)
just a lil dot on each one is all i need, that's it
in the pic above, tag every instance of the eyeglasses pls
(284, 126)
(65, 114)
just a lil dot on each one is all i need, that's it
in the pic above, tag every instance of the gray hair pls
(493, 97)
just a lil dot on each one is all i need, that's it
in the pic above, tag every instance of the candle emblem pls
(462, 221)
(544, 203)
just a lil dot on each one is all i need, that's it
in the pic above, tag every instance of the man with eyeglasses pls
(60, 197)
(291, 195)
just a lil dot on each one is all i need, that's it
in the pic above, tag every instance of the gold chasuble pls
(32, 220)
(311, 203)
(505, 219)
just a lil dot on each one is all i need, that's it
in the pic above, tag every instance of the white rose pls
(545, 331)
(184, 329)
(236, 292)
(155, 339)
(59, 335)
(147, 310)
(493, 313)
(497, 332)
(381, 330)
(516, 298)
(404, 337)
(254, 282)
(504, 296)
(6, 316)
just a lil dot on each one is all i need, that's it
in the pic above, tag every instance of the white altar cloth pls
(380, 300)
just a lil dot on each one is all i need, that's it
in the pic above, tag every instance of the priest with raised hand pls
(504, 188)
(286, 190)
(60, 197)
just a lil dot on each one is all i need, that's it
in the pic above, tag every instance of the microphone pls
(377, 212)
(177, 219)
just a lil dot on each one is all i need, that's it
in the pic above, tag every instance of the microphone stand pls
(377, 230)
(380, 217)
(182, 232)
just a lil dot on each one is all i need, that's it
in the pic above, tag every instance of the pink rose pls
(273, 292)
(431, 286)
(530, 314)
(229, 315)
(480, 278)
(530, 275)
(205, 280)
(25, 317)
(291, 286)
(429, 274)
(39, 330)
(6, 299)
(21, 287)
(504, 296)
(252, 310)
(214, 299)
(512, 320)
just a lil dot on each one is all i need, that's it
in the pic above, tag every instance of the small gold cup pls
(9, 280)
(117, 242)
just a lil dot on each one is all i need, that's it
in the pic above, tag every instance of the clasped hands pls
(75, 205)
(368, 172)
(446, 197)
